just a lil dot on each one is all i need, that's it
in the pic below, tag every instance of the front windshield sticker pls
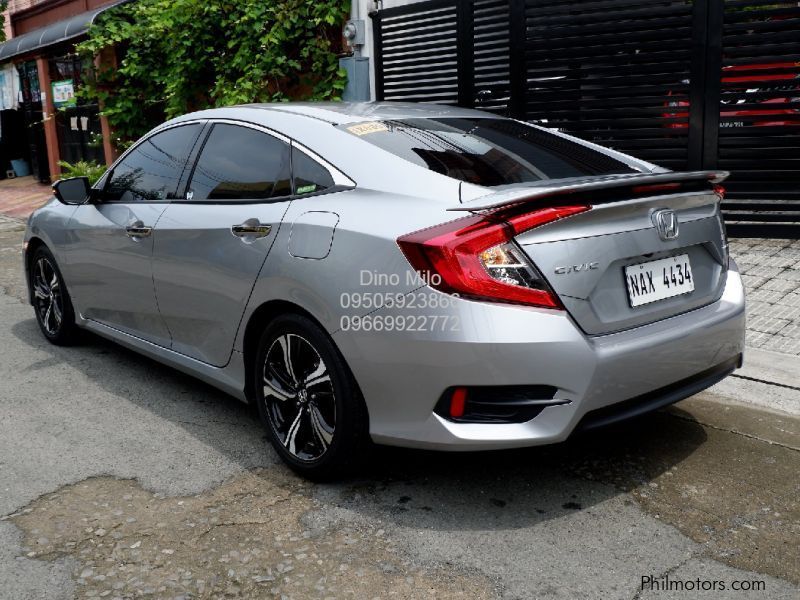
(365, 128)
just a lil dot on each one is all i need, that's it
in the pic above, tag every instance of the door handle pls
(251, 229)
(138, 231)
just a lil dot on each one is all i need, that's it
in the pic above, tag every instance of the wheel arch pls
(34, 243)
(259, 319)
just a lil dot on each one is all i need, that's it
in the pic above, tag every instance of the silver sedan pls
(403, 274)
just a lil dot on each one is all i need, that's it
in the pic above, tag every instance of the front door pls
(210, 247)
(109, 257)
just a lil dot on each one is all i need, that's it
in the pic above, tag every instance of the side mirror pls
(75, 190)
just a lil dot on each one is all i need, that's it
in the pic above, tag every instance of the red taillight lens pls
(477, 257)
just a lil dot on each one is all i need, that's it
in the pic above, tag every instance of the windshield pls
(487, 152)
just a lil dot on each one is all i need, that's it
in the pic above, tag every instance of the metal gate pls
(700, 84)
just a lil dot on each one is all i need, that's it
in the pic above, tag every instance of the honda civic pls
(404, 274)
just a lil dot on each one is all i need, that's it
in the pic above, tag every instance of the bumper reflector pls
(457, 402)
(496, 404)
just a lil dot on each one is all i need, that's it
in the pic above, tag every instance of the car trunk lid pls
(584, 257)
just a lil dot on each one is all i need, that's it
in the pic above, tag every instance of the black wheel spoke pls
(47, 316)
(42, 276)
(286, 350)
(57, 315)
(274, 387)
(47, 296)
(40, 291)
(319, 375)
(322, 430)
(291, 433)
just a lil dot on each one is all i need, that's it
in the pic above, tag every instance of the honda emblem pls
(666, 222)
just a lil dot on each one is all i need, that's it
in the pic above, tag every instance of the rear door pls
(111, 243)
(209, 245)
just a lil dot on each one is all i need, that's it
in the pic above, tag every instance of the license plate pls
(659, 279)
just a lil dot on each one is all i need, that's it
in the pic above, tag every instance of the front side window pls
(309, 175)
(239, 163)
(487, 152)
(150, 172)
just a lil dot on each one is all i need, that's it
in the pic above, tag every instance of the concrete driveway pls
(120, 478)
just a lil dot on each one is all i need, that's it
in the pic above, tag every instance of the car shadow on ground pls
(510, 489)
(498, 489)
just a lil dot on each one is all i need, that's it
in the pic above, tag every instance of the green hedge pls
(177, 56)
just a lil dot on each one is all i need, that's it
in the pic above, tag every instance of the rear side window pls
(150, 172)
(239, 163)
(309, 175)
(487, 152)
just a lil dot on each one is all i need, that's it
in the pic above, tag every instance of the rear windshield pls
(487, 152)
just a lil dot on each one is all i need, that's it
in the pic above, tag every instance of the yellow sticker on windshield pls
(365, 128)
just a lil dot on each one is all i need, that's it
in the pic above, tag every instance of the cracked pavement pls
(121, 478)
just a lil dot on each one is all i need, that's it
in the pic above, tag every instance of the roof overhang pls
(55, 33)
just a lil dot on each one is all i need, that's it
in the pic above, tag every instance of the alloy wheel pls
(299, 397)
(48, 296)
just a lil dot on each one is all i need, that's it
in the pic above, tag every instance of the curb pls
(771, 367)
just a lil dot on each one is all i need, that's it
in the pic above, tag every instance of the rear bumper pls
(605, 378)
(650, 401)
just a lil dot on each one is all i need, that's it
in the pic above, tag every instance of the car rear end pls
(572, 303)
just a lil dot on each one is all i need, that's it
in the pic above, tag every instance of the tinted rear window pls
(309, 175)
(241, 163)
(488, 152)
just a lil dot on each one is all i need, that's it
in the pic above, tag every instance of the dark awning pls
(54, 33)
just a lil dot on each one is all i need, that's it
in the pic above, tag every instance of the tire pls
(312, 410)
(51, 301)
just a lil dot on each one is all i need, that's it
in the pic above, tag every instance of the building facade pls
(42, 120)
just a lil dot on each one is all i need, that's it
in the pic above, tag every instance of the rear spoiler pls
(551, 189)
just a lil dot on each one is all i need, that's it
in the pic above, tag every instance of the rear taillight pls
(726, 252)
(477, 257)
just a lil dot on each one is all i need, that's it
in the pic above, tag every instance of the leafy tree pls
(3, 5)
(176, 56)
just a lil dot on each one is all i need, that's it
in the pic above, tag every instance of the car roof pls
(355, 112)
(312, 125)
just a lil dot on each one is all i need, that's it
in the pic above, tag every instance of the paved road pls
(122, 478)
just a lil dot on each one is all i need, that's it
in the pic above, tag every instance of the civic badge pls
(666, 222)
